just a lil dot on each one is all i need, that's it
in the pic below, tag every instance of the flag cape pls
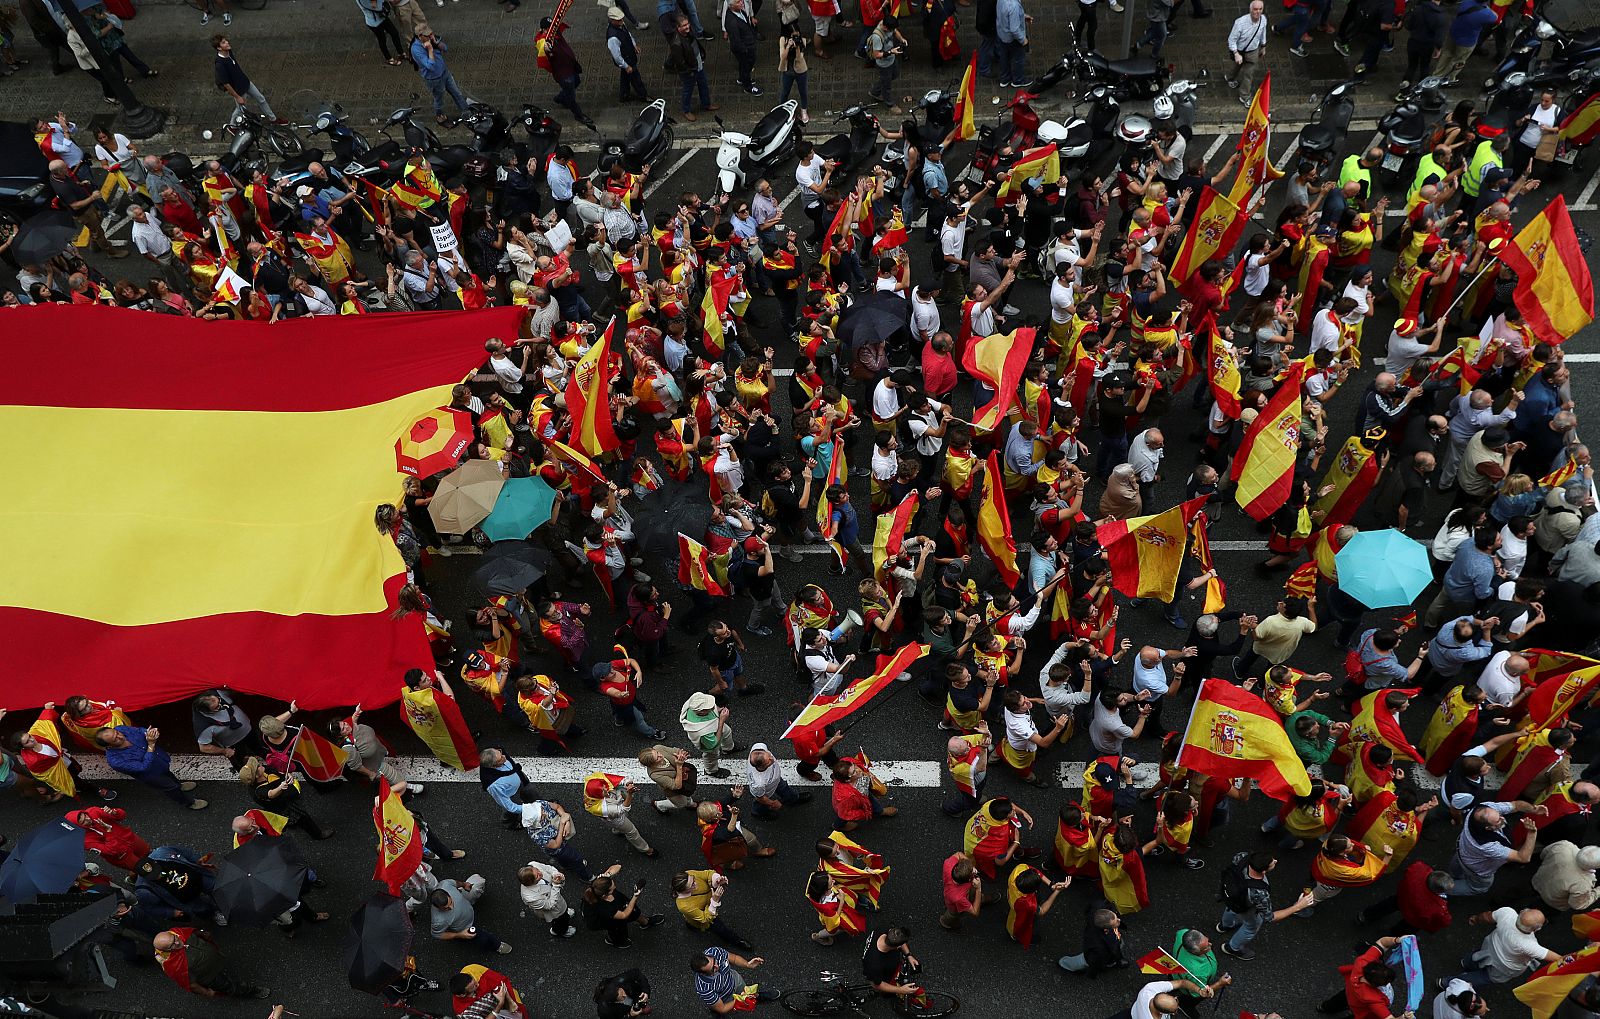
(994, 524)
(1146, 553)
(1312, 255)
(823, 711)
(998, 361)
(1222, 373)
(835, 228)
(712, 307)
(437, 721)
(1554, 291)
(1449, 733)
(1375, 723)
(204, 421)
(1043, 162)
(1255, 163)
(1551, 983)
(1352, 474)
(967, 101)
(1264, 464)
(320, 759)
(695, 567)
(838, 472)
(891, 530)
(863, 881)
(1554, 697)
(1381, 822)
(1200, 537)
(1233, 734)
(1215, 230)
(589, 398)
(399, 839)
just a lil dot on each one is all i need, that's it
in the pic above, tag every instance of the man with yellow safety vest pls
(1489, 155)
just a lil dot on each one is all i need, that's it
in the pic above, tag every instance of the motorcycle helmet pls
(1162, 107)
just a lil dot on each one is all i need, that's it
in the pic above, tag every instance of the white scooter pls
(742, 157)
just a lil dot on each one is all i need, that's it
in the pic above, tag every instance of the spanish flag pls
(1200, 548)
(1311, 255)
(712, 307)
(1554, 697)
(967, 101)
(1532, 757)
(320, 759)
(1587, 925)
(1255, 163)
(203, 422)
(399, 839)
(863, 879)
(1264, 465)
(1222, 373)
(838, 472)
(99, 715)
(1554, 291)
(1159, 962)
(1381, 822)
(1216, 229)
(1449, 732)
(824, 711)
(891, 530)
(589, 398)
(1550, 984)
(1582, 125)
(271, 825)
(998, 361)
(436, 719)
(1043, 162)
(1374, 722)
(1233, 734)
(1146, 553)
(994, 524)
(1352, 474)
(695, 568)
(377, 199)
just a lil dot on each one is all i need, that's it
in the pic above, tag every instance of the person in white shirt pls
(1063, 302)
(1023, 738)
(885, 457)
(1514, 538)
(1408, 344)
(1156, 1000)
(506, 371)
(1458, 1000)
(827, 671)
(1510, 949)
(313, 300)
(1501, 679)
(886, 407)
(728, 468)
(766, 785)
(541, 895)
(924, 313)
(927, 422)
(611, 805)
(1539, 121)
(149, 236)
(1057, 682)
(1328, 325)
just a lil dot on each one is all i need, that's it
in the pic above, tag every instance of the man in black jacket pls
(739, 29)
(687, 58)
(988, 44)
(1102, 944)
(1428, 23)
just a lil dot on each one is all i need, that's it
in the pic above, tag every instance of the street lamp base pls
(140, 122)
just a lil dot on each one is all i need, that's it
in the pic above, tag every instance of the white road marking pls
(1254, 545)
(783, 206)
(1215, 146)
(1581, 359)
(1583, 204)
(677, 165)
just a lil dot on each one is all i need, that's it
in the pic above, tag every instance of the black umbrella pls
(44, 236)
(260, 879)
(378, 943)
(683, 509)
(507, 575)
(873, 318)
(45, 861)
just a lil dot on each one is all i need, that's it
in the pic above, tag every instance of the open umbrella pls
(874, 317)
(44, 236)
(1381, 569)
(436, 442)
(260, 879)
(523, 504)
(45, 861)
(507, 576)
(466, 495)
(377, 944)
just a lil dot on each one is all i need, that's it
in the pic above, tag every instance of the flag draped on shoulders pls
(1043, 162)
(994, 524)
(1146, 553)
(1549, 985)
(589, 398)
(1233, 734)
(1215, 230)
(1352, 474)
(436, 719)
(399, 839)
(1263, 468)
(1375, 722)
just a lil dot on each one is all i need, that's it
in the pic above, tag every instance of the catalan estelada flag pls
(1233, 734)
(1551, 983)
(1255, 163)
(1554, 291)
(589, 398)
(826, 710)
(967, 101)
(891, 530)
(998, 361)
(318, 757)
(399, 839)
(994, 524)
(436, 719)
(1146, 553)
(695, 569)
(248, 468)
(1264, 465)
(1216, 229)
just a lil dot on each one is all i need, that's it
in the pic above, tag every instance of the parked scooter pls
(937, 113)
(1407, 127)
(848, 148)
(1330, 122)
(1136, 77)
(544, 134)
(1018, 129)
(446, 160)
(347, 143)
(741, 157)
(649, 138)
(1567, 51)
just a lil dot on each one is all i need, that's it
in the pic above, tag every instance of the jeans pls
(1299, 19)
(988, 48)
(1113, 451)
(667, 14)
(1475, 974)
(567, 94)
(784, 794)
(167, 785)
(1073, 963)
(1156, 35)
(569, 858)
(261, 101)
(690, 80)
(789, 79)
(1245, 927)
(632, 715)
(1013, 62)
(446, 82)
(886, 77)
(574, 307)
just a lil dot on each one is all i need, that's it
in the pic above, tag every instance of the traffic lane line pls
(1584, 202)
(666, 175)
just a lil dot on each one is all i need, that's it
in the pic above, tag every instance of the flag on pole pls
(1255, 162)
(1549, 986)
(589, 398)
(695, 567)
(1263, 468)
(891, 530)
(229, 286)
(1587, 925)
(994, 524)
(399, 839)
(823, 711)
(967, 101)
(1200, 536)
(376, 202)
(1554, 291)
(998, 361)
(321, 759)
(1582, 125)
(1043, 162)
(1233, 734)
(1159, 962)
(1215, 230)
(1146, 553)
(825, 259)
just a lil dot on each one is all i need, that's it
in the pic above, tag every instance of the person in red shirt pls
(1420, 900)
(1364, 982)
(938, 366)
(963, 891)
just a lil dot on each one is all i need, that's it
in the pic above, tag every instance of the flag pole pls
(1168, 955)
(1199, 695)
(1494, 263)
(809, 704)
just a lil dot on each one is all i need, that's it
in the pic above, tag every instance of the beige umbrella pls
(466, 495)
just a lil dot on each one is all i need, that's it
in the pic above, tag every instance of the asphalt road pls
(1294, 970)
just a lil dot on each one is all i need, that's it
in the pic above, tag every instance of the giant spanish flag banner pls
(1550, 984)
(1215, 230)
(248, 460)
(1146, 553)
(1352, 474)
(1255, 162)
(967, 101)
(824, 711)
(994, 524)
(589, 398)
(1264, 465)
(998, 361)
(1554, 291)
(399, 838)
(1233, 734)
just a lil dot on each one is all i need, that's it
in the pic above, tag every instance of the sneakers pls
(1232, 82)
(1238, 953)
(198, 804)
(502, 948)
(1243, 100)
(718, 772)
(1116, 8)
(1225, 931)
(1298, 49)
(227, 17)
(1342, 46)
(205, 17)
(105, 794)
(187, 787)
(1193, 864)
(762, 631)
(663, 806)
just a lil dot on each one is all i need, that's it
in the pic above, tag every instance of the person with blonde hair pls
(281, 795)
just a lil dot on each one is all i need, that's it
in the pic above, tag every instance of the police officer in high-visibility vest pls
(1489, 154)
(1431, 169)
(1359, 168)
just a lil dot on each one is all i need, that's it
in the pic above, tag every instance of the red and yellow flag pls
(967, 101)
(1554, 291)
(1352, 474)
(1374, 722)
(891, 530)
(589, 398)
(1560, 476)
(998, 361)
(1587, 925)
(436, 719)
(1301, 581)
(1233, 734)
(203, 421)
(1216, 229)
(1146, 553)
(1550, 984)
(1200, 536)
(1553, 698)
(1255, 162)
(838, 472)
(994, 524)
(824, 711)
(1263, 468)
(1043, 162)
(1449, 732)
(399, 839)
(1582, 125)
(321, 759)
(1222, 372)
(695, 567)
(712, 307)
(1159, 962)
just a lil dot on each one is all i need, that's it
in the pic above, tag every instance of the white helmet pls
(1162, 107)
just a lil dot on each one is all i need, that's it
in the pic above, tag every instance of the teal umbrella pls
(1382, 569)
(523, 504)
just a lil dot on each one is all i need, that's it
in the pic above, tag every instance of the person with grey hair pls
(1567, 878)
(1204, 637)
(1484, 847)
(1509, 950)
(1557, 524)
(1545, 445)
(158, 175)
(420, 278)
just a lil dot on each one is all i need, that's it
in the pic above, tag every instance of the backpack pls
(1235, 888)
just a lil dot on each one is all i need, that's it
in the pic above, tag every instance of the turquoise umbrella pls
(1382, 569)
(523, 504)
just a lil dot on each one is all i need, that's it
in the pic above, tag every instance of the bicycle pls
(836, 996)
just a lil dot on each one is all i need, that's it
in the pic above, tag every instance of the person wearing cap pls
(709, 734)
(624, 50)
(1566, 879)
(765, 782)
(619, 682)
(1409, 343)
(884, 46)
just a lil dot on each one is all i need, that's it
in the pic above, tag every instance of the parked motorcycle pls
(544, 134)
(1330, 122)
(648, 139)
(1136, 77)
(741, 157)
(848, 148)
(347, 143)
(1543, 46)
(932, 116)
(1406, 128)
